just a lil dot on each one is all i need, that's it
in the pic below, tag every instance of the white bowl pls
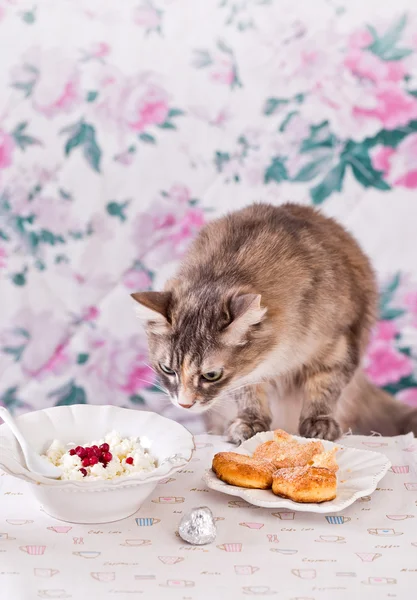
(95, 501)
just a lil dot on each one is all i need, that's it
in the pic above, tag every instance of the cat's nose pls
(188, 405)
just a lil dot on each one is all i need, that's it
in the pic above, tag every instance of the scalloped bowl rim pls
(16, 468)
(216, 484)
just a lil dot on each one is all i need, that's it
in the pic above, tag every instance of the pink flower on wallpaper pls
(91, 313)
(99, 50)
(137, 280)
(3, 258)
(44, 338)
(385, 364)
(223, 71)
(369, 66)
(117, 365)
(6, 149)
(399, 165)
(393, 107)
(53, 80)
(360, 39)
(408, 396)
(55, 215)
(385, 330)
(162, 234)
(147, 16)
(131, 103)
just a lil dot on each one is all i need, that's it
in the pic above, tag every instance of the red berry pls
(72, 452)
(84, 472)
(78, 448)
(97, 451)
(107, 456)
(82, 452)
(93, 460)
(129, 460)
(86, 462)
(90, 452)
(105, 447)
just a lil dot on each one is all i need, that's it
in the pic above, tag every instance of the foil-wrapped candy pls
(198, 527)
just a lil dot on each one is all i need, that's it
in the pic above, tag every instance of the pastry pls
(288, 454)
(305, 484)
(326, 460)
(243, 471)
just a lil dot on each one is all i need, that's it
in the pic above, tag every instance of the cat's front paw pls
(241, 430)
(324, 428)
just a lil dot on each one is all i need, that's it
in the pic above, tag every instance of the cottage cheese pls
(120, 449)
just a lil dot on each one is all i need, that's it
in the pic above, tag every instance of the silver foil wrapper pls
(198, 527)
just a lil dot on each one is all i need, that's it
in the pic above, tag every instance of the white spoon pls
(34, 462)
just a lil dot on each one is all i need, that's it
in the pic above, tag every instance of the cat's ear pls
(245, 311)
(153, 309)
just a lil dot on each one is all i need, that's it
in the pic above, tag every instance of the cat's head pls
(203, 345)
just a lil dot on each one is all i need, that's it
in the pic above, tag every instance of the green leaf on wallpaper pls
(312, 169)
(24, 86)
(386, 296)
(333, 182)
(117, 209)
(29, 16)
(357, 156)
(220, 159)
(91, 95)
(21, 138)
(15, 351)
(403, 384)
(287, 120)
(4, 236)
(167, 125)
(19, 279)
(84, 135)
(385, 46)
(175, 112)
(69, 394)
(136, 399)
(276, 171)
(82, 358)
(320, 137)
(147, 138)
(272, 104)
(10, 400)
(392, 137)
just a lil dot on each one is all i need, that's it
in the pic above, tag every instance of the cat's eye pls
(166, 369)
(212, 376)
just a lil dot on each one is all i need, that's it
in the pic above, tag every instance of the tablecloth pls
(368, 551)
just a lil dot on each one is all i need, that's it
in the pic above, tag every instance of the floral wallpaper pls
(124, 127)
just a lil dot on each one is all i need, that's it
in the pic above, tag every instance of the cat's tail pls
(366, 408)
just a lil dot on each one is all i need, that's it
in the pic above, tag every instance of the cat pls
(270, 314)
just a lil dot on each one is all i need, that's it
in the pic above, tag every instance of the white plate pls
(358, 475)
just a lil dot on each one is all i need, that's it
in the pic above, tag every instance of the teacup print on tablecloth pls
(169, 500)
(400, 469)
(104, 577)
(284, 515)
(178, 583)
(387, 532)
(245, 569)
(45, 572)
(337, 539)
(60, 528)
(6, 536)
(259, 590)
(136, 543)
(304, 573)
(380, 581)
(231, 547)
(250, 525)
(53, 594)
(87, 553)
(146, 521)
(337, 519)
(399, 517)
(33, 550)
(368, 556)
(284, 551)
(411, 487)
(19, 521)
(170, 560)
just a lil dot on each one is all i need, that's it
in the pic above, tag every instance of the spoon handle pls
(8, 419)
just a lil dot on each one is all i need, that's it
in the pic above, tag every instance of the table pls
(369, 551)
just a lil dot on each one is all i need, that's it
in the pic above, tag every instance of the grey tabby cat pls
(268, 321)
